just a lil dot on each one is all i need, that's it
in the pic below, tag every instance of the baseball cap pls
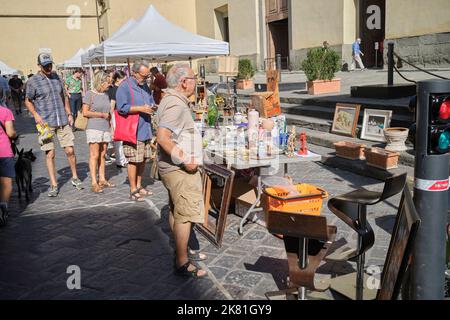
(44, 59)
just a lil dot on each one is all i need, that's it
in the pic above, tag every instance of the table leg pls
(249, 211)
(285, 169)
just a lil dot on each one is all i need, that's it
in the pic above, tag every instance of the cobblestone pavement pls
(125, 250)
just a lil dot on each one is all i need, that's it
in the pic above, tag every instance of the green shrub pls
(246, 70)
(321, 64)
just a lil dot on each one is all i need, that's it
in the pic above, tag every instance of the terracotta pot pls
(244, 84)
(382, 159)
(350, 150)
(396, 138)
(324, 86)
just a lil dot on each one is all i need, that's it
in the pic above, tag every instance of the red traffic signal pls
(444, 111)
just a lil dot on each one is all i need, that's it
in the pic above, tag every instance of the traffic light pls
(439, 124)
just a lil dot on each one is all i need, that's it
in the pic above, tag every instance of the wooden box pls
(382, 159)
(265, 103)
(350, 150)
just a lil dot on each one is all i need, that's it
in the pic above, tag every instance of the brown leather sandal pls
(107, 184)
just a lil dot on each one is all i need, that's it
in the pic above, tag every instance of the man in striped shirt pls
(47, 101)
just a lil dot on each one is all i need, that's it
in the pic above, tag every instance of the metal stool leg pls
(362, 218)
(303, 256)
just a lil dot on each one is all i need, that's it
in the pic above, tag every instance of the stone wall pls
(211, 64)
(424, 51)
(297, 56)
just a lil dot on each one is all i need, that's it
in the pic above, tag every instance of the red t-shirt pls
(5, 145)
(160, 83)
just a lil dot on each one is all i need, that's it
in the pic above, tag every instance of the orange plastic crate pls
(309, 201)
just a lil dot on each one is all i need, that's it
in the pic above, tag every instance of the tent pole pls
(91, 73)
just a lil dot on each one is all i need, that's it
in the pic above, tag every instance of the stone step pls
(326, 113)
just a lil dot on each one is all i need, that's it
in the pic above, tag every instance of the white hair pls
(176, 73)
(139, 64)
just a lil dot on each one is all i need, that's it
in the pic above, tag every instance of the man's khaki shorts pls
(65, 138)
(142, 152)
(186, 196)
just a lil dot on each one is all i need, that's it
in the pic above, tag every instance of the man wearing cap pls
(47, 101)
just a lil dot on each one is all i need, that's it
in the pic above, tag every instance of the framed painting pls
(217, 188)
(346, 119)
(374, 123)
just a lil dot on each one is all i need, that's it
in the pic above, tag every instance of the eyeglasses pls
(191, 78)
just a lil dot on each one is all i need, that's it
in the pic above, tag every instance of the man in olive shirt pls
(180, 154)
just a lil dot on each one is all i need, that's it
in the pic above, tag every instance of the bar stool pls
(307, 240)
(351, 208)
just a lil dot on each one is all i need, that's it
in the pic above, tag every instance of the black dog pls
(24, 172)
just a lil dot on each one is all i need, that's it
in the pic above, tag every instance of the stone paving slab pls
(125, 250)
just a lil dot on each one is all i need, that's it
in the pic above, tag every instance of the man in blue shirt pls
(134, 97)
(356, 55)
(6, 91)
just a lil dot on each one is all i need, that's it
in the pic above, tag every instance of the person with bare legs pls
(180, 155)
(47, 101)
(134, 97)
(96, 107)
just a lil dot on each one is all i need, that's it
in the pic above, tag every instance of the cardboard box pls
(244, 202)
(266, 104)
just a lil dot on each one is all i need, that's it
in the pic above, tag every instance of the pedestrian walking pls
(180, 155)
(47, 101)
(159, 84)
(97, 108)
(7, 171)
(134, 97)
(6, 90)
(356, 55)
(16, 86)
(117, 79)
(74, 89)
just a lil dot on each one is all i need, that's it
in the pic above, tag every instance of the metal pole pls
(428, 267)
(390, 63)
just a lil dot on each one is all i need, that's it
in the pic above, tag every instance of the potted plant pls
(246, 73)
(320, 66)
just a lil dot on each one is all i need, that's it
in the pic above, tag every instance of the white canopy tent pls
(155, 38)
(7, 69)
(88, 56)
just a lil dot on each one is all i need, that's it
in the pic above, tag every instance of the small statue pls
(303, 151)
(291, 143)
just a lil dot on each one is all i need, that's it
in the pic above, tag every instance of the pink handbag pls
(126, 125)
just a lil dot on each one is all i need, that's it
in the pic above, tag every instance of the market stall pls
(155, 38)
(7, 70)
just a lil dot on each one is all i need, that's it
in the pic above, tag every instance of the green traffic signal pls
(444, 142)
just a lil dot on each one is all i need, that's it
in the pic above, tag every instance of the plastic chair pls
(352, 209)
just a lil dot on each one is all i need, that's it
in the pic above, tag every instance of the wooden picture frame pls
(374, 122)
(346, 119)
(400, 249)
(223, 179)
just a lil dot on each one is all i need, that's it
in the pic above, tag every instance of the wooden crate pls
(266, 104)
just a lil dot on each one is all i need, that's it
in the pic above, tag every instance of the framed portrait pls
(346, 119)
(374, 123)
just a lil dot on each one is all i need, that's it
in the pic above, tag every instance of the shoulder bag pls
(81, 121)
(126, 125)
